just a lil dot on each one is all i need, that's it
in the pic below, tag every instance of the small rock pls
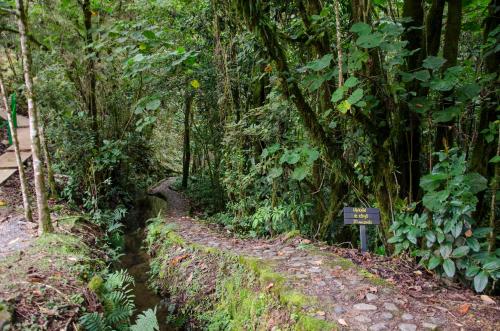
(364, 306)
(407, 327)
(338, 309)
(371, 297)
(363, 319)
(386, 316)
(378, 327)
(407, 317)
(390, 306)
(429, 326)
(315, 269)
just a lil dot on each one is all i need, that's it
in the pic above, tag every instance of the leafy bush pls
(445, 236)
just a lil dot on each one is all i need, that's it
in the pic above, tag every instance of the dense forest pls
(274, 116)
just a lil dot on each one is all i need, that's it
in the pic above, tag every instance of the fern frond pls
(94, 322)
(146, 321)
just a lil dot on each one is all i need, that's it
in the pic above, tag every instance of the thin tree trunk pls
(339, 44)
(22, 176)
(48, 164)
(44, 221)
(187, 145)
(91, 98)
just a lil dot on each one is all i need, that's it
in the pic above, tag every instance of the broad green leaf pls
(430, 236)
(314, 82)
(476, 182)
(446, 115)
(434, 200)
(460, 251)
(351, 82)
(471, 271)
(275, 173)
(493, 265)
(457, 229)
(433, 62)
(338, 94)
(441, 85)
(312, 155)
(299, 173)
(473, 243)
(153, 104)
(432, 181)
(361, 28)
(449, 267)
(356, 96)
(422, 75)
(480, 281)
(290, 158)
(370, 40)
(320, 64)
(434, 262)
(495, 159)
(445, 251)
(149, 34)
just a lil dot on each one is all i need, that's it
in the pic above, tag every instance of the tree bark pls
(92, 79)
(20, 166)
(44, 221)
(48, 164)
(444, 133)
(186, 158)
(433, 26)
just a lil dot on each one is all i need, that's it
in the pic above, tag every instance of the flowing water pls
(136, 260)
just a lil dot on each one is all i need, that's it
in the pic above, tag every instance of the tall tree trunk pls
(92, 79)
(20, 166)
(434, 22)
(484, 151)
(44, 221)
(444, 134)
(186, 158)
(48, 164)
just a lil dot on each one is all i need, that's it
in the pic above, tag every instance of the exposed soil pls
(359, 292)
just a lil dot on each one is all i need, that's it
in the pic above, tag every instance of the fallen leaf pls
(342, 322)
(463, 308)
(318, 262)
(320, 313)
(280, 253)
(176, 260)
(488, 300)
(269, 286)
(373, 289)
(306, 241)
(418, 272)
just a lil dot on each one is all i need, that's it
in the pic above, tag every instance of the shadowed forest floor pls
(357, 291)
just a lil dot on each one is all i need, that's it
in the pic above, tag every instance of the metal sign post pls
(362, 217)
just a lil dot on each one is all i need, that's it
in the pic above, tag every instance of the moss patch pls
(215, 290)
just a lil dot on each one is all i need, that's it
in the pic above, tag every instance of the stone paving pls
(339, 290)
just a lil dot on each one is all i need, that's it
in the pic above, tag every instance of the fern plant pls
(146, 321)
(117, 300)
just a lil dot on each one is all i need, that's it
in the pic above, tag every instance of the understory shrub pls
(445, 236)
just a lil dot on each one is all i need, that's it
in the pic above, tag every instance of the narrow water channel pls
(136, 260)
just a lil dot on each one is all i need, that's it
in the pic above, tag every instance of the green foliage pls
(445, 236)
(118, 303)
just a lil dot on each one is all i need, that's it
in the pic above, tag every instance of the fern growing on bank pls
(118, 303)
